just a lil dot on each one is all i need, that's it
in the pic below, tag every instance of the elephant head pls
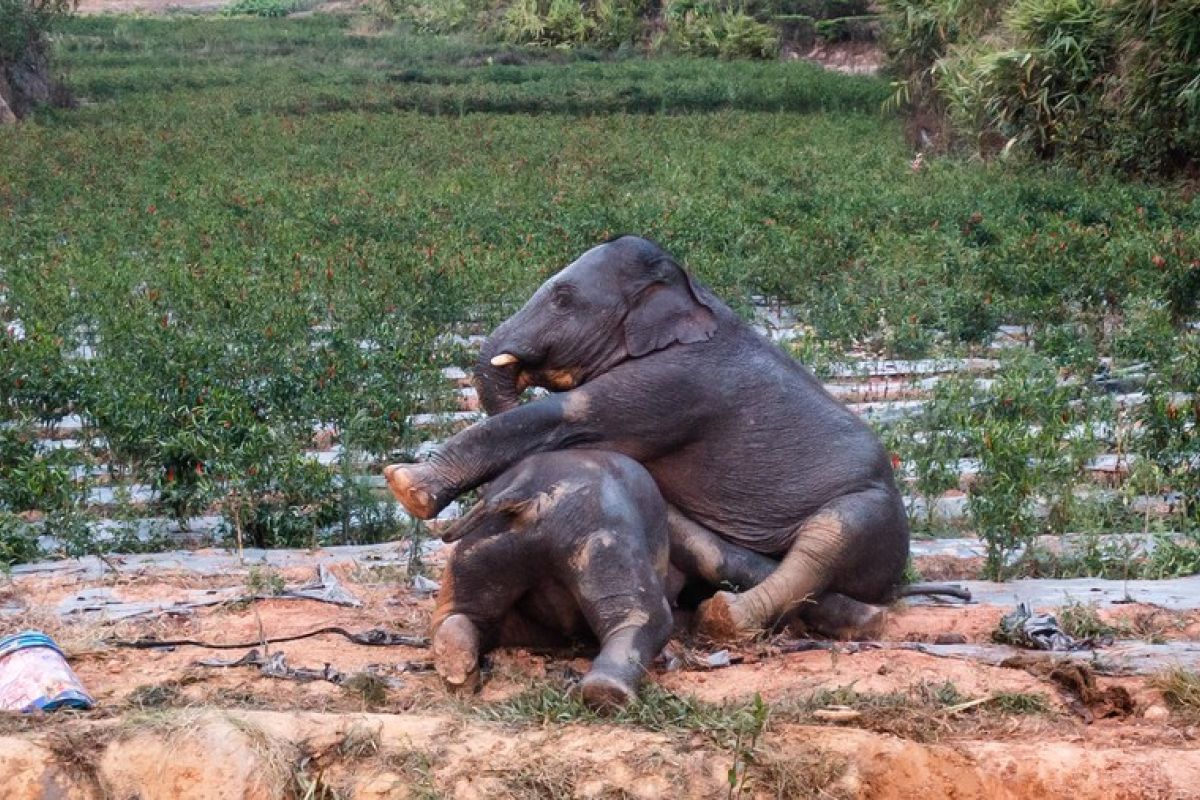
(623, 299)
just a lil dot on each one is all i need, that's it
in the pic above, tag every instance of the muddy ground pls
(849, 722)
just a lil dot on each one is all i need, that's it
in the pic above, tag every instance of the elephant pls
(565, 544)
(778, 495)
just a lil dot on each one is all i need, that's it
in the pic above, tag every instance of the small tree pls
(25, 54)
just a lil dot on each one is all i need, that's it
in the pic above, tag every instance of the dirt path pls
(92, 7)
(264, 754)
(848, 722)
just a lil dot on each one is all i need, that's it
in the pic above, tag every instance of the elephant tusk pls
(504, 359)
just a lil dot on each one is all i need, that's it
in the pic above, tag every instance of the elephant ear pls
(666, 308)
(498, 511)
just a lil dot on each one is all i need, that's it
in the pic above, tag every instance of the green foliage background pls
(265, 226)
(1103, 83)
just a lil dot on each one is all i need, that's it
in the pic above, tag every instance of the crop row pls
(253, 232)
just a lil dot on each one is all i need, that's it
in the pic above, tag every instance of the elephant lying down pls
(571, 545)
(563, 545)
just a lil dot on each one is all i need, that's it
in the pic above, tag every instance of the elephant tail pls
(933, 589)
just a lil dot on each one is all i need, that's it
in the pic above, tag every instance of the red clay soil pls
(168, 728)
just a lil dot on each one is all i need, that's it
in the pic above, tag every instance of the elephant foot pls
(866, 627)
(604, 693)
(722, 619)
(840, 617)
(456, 653)
(407, 482)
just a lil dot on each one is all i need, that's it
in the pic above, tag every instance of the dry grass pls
(78, 751)
(924, 712)
(1154, 625)
(371, 690)
(360, 742)
(548, 779)
(1181, 689)
(810, 773)
(416, 768)
(1083, 621)
(282, 762)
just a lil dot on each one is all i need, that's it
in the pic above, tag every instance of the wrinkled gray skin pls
(774, 486)
(566, 544)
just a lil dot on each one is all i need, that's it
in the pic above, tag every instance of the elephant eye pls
(563, 296)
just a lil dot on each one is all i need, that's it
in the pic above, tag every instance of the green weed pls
(1180, 688)
(1019, 703)
(279, 280)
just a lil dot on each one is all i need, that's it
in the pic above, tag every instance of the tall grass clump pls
(25, 79)
(719, 28)
(1103, 83)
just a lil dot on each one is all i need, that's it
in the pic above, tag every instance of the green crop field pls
(254, 230)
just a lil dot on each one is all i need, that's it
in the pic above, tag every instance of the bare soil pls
(165, 727)
(149, 6)
(854, 58)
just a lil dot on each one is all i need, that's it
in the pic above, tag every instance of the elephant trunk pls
(498, 383)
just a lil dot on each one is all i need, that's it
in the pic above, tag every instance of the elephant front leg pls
(629, 413)
(476, 455)
(621, 593)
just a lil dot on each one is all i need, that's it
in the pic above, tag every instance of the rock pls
(7, 115)
(950, 638)
(836, 714)
(1156, 713)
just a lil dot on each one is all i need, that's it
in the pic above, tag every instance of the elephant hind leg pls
(840, 617)
(699, 552)
(848, 539)
(472, 606)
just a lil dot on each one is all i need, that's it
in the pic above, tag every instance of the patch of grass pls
(925, 712)
(261, 8)
(265, 582)
(1019, 703)
(371, 689)
(156, 696)
(655, 709)
(1152, 626)
(282, 762)
(309, 785)
(1083, 621)
(811, 772)
(360, 742)
(1180, 688)
(416, 767)
(543, 779)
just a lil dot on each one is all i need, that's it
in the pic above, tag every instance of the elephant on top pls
(776, 491)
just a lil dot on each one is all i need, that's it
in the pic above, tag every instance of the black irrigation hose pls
(375, 637)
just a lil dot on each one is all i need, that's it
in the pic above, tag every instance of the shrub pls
(1111, 83)
(25, 79)
(700, 28)
(262, 8)
(24, 24)
(437, 16)
(18, 540)
(569, 23)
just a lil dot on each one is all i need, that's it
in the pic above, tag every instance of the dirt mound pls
(261, 754)
(881, 720)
